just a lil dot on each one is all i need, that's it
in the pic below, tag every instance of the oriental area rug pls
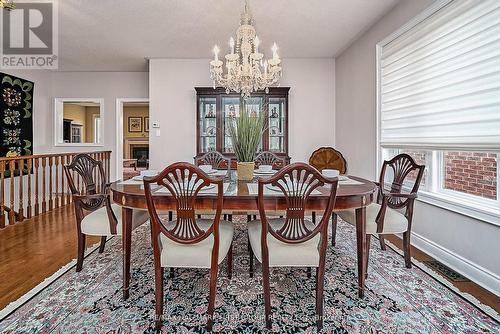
(397, 300)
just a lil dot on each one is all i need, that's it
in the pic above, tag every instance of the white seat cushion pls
(97, 222)
(394, 221)
(199, 255)
(281, 254)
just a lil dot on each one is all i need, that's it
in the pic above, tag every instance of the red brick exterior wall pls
(419, 157)
(471, 173)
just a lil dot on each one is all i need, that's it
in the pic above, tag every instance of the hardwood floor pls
(483, 295)
(36, 248)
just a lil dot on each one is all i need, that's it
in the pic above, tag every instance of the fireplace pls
(141, 153)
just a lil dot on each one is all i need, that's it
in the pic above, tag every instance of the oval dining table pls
(356, 193)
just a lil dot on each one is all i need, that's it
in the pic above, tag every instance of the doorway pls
(132, 144)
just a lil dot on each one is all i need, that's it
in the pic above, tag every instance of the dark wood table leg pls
(127, 247)
(361, 245)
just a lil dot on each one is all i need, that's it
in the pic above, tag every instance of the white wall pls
(173, 105)
(468, 245)
(106, 85)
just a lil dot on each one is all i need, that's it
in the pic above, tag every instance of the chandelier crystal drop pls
(246, 69)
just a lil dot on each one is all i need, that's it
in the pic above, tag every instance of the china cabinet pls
(215, 108)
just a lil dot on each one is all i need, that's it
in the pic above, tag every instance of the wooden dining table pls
(355, 194)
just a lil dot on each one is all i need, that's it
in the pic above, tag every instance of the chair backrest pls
(184, 182)
(91, 178)
(403, 168)
(328, 158)
(297, 181)
(269, 158)
(214, 158)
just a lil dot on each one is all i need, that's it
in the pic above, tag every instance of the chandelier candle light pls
(247, 71)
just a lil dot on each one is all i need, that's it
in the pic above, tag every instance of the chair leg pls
(320, 284)
(267, 294)
(199, 216)
(334, 228)
(170, 216)
(249, 218)
(172, 272)
(313, 217)
(382, 242)
(211, 296)
(230, 218)
(254, 217)
(230, 262)
(225, 217)
(308, 272)
(250, 254)
(103, 243)
(368, 239)
(158, 297)
(81, 251)
(407, 248)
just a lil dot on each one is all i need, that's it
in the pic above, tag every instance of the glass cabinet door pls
(255, 105)
(208, 124)
(276, 127)
(230, 109)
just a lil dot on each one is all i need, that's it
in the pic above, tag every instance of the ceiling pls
(118, 35)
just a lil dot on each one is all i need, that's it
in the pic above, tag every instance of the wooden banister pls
(35, 184)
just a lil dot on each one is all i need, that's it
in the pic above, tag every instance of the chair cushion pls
(394, 221)
(97, 222)
(199, 255)
(282, 254)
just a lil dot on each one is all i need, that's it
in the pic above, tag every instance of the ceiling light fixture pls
(247, 71)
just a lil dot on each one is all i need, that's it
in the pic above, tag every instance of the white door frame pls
(119, 131)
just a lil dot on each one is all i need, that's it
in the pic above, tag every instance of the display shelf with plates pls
(207, 123)
(215, 108)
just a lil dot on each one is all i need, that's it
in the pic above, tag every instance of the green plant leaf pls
(246, 133)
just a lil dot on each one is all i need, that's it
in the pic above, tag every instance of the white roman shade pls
(439, 81)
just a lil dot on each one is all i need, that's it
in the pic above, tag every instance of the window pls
(76, 133)
(438, 100)
(97, 129)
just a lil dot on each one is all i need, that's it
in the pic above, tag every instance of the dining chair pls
(292, 241)
(188, 242)
(95, 214)
(328, 158)
(214, 158)
(384, 216)
(267, 158)
(218, 161)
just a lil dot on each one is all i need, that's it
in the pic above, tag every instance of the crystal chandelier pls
(246, 69)
(7, 4)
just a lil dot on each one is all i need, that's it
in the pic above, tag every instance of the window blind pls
(439, 81)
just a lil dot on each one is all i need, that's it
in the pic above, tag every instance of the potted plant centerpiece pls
(246, 135)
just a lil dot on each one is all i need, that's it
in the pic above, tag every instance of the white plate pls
(273, 188)
(209, 187)
(343, 178)
(137, 178)
(264, 173)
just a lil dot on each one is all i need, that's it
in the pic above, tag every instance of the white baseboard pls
(483, 277)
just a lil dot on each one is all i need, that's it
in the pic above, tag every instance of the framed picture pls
(135, 124)
(146, 124)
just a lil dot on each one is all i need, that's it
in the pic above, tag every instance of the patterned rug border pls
(14, 305)
(486, 309)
